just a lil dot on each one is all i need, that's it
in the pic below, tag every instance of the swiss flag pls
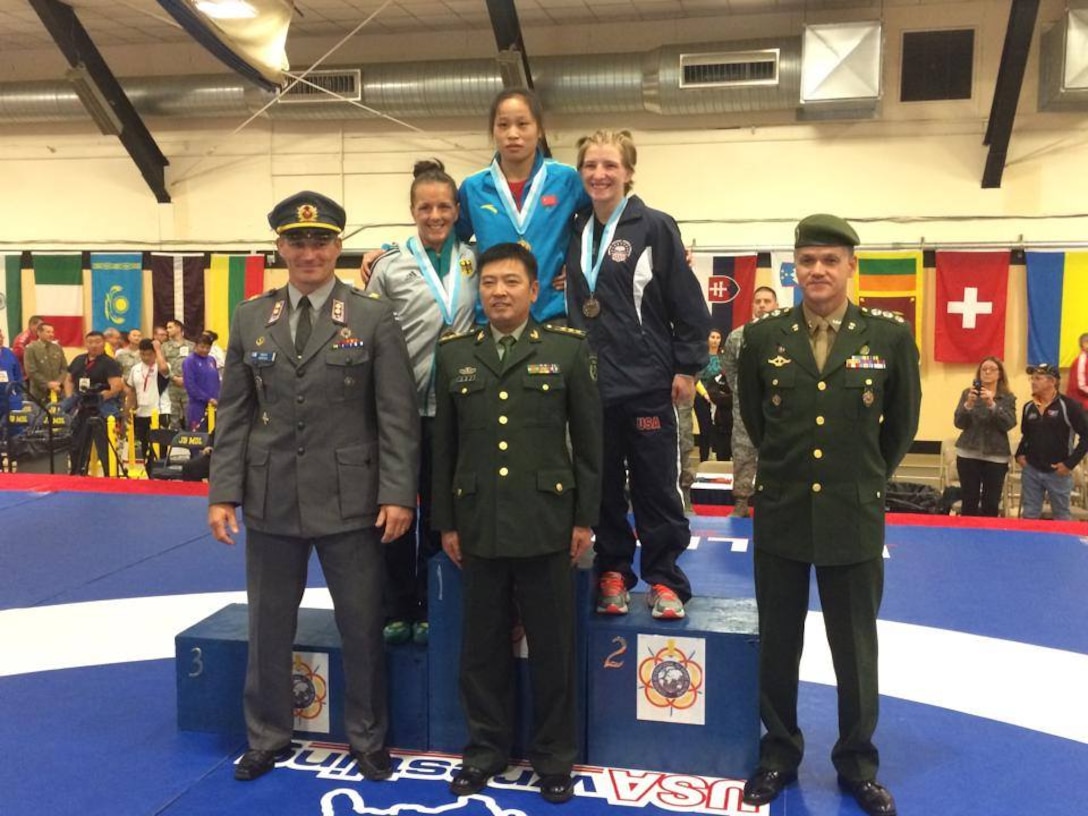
(971, 299)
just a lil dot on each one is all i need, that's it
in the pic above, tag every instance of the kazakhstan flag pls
(116, 290)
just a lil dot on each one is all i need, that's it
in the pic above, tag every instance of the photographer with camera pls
(92, 389)
(985, 414)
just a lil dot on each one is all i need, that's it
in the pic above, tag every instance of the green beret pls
(824, 230)
(307, 211)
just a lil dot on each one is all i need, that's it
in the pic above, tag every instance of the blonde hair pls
(621, 140)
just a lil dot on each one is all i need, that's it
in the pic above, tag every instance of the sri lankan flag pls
(892, 281)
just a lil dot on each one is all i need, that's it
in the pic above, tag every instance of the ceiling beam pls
(508, 39)
(1010, 78)
(93, 79)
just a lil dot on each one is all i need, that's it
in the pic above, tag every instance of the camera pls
(976, 386)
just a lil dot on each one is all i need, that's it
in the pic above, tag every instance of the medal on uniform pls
(867, 397)
(519, 218)
(591, 266)
(445, 291)
(776, 400)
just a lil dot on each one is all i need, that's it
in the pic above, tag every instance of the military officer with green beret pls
(515, 505)
(830, 395)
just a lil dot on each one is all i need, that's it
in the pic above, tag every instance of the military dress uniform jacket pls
(44, 363)
(828, 442)
(312, 446)
(503, 476)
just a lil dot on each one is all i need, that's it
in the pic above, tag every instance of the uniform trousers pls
(641, 448)
(542, 587)
(406, 558)
(850, 598)
(275, 580)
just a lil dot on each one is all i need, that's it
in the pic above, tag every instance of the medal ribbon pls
(519, 218)
(591, 267)
(445, 295)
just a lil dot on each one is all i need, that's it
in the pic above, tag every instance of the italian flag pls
(232, 279)
(11, 298)
(58, 295)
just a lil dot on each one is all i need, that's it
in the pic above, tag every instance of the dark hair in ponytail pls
(431, 171)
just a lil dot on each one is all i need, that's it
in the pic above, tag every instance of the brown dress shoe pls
(871, 796)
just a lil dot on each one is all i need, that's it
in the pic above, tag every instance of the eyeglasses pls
(989, 368)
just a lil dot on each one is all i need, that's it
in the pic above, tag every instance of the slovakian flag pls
(58, 295)
(784, 279)
(11, 297)
(728, 282)
(232, 279)
(177, 290)
(972, 290)
(1057, 306)
(892, 282)
(117, 286)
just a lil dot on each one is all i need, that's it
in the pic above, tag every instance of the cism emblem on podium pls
(672, 679)
(310, 688)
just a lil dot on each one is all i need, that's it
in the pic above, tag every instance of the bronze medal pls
(592, 307)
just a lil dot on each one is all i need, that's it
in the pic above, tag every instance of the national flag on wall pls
(11, 297)
(117, 286)
(1057, 305)
(58, 293)
(972, 290)
(784, 279)
(177, 290)
(892, 281)
(728, 282)
(232, 279)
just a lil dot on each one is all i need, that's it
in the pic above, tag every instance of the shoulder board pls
(445, 338)
(270, 293)
(563, 330)
(882, 313)
(783, 312)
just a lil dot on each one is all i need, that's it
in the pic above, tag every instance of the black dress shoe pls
(375, 765)
(871, 796)
(556, 788)
(257, 762)
(765, 785)
(468, 781)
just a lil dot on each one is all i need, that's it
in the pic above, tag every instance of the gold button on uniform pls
(504, 471)
(558, 487)
(544, 387)
(503, 395)
(822, 386)
(503, 445)
(819, 420)
(774, 382)
(868, 382)
(460, 491)
(503, 420)
(816, 488)
(818, 454)
(464, 390)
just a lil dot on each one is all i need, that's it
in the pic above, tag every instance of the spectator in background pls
(1078, 375)
(175, 349)
(45, 364)
(1049, 423)
(721, 434)
(145, 383)
(114, 341)
(129, 353)
(11, 379)
(703, 400)
(985, 413)
(25, 338)
(218, 353)
(201, 377)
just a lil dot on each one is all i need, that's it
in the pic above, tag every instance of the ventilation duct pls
(840, 70)
(1063, 64)
(657, 81)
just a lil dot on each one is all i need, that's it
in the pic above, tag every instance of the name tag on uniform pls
(543, 368)
(262, 357)
(866, 361)
(3, 376)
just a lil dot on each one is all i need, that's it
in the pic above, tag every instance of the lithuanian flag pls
(231, 279)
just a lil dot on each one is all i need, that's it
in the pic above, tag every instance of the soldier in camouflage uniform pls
(175, 350)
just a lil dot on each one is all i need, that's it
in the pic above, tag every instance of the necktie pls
(822, 343)
(305, 325)
(506, 343)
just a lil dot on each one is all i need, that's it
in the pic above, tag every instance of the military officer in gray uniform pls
(764, 300)
(45, 364)
(830, 396)
(175, 350)
(515, 507)
(317, 440)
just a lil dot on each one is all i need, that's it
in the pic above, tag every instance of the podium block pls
(211, 669)
(446, 718)
(677, 696)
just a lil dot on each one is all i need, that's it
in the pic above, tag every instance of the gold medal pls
(592, 307)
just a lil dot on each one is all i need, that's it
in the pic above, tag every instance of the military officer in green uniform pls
(175, 350)
(830, 396)
(515, 506)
